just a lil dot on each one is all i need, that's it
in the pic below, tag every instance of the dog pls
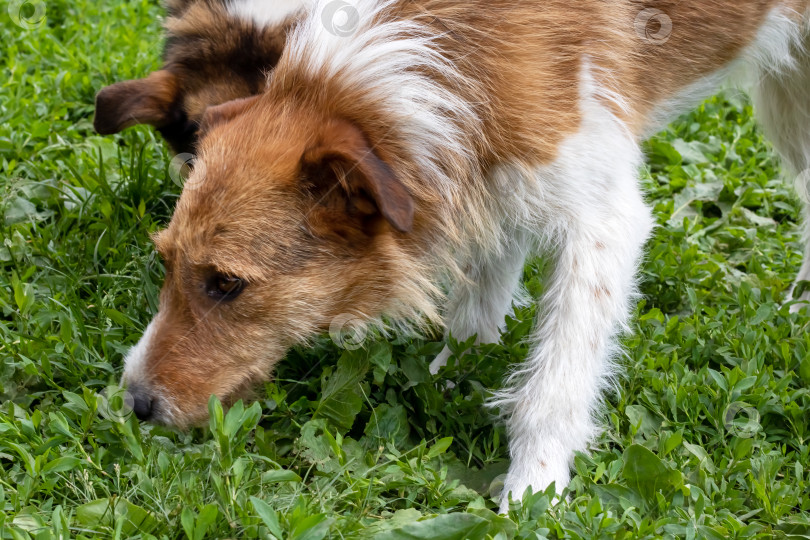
(216, 51)
(403, 169)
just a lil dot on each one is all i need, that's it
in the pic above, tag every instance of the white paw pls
(537, 475)
(800, 303)
(440, 361)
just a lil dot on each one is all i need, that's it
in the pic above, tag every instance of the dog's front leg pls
(480, 300)
(550, 401)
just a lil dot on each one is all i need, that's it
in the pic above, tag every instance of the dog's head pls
(289, 220)
(211, 57)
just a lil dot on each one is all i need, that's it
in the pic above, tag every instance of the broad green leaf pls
(379, 355)
(646, 473)
(314, 527)
(389, 423)
(268, 516)
(205, 519)
(108, 512)
(61, 464)
(279, 475)
(440, 447)
(342, 397)
(804, 369)
(187, 520)
(444, 527)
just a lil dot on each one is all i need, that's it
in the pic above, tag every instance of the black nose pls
(141, 403)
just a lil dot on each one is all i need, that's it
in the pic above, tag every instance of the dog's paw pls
(440, 361)
(538, 476)
(803, 301)
(797, 305)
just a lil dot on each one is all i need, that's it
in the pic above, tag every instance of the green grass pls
(707, 438)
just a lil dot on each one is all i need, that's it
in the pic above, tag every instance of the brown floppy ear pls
(344, 155)
(141, 101)
(225, 112)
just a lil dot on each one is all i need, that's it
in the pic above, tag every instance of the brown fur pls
(705, 37)
(210, 57)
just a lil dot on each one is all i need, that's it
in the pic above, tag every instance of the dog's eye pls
(224, 287)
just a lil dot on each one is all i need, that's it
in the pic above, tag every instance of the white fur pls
(594, 226)
(396, 63)
(480, 300)
(135, 373)
(135, 360)
(804, 273)
(782, 99)
(392, 60)
(267, 12)
(550, 401)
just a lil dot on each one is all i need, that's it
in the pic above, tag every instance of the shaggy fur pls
(432, 148)
(212, 55)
